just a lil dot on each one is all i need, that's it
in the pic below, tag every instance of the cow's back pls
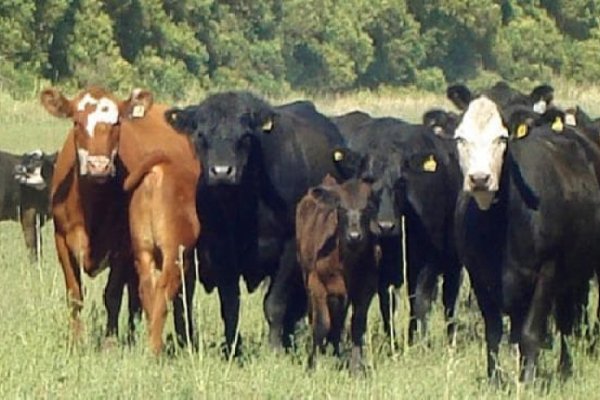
(152, 133)
(297, 154)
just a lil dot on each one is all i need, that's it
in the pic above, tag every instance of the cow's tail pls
(149, 161)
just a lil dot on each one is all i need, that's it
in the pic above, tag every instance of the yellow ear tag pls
(557, 125)
(430, 165)
(138, 111)
(268, 126)
(522, 131)
(338, 155)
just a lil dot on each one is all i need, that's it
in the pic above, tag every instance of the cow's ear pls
(56, 103)
(264, 121)
(137, 105)
(348, 162)
(182, 120)
(460, 96)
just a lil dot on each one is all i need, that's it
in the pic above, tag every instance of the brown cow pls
(338, 258)
(158, 202)
(164, 224)
(89, 206)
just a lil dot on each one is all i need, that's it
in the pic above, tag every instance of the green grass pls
(36, 360)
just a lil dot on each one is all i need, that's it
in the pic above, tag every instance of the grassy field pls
(36, 361)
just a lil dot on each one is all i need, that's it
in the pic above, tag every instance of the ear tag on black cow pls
(557, 125)
(570, 120)
(268, 126)
(522, 131)
(338, 155)
(430, 165)
(138, 111)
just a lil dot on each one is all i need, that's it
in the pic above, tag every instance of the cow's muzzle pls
(96, 166)
(225, 174)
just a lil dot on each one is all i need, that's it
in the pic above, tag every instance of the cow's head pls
(442, 123)
(481, 144)
(541, 97)
(96, 116)
(383, 175)
(355, 205)
(35, 169)
(225, 128)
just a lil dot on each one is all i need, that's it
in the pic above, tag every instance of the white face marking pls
(106, 112)
(481, 142)
(540, 107)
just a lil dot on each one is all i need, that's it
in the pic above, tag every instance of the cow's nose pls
(354, 236)
(479, 180)
(386, 226)
(222, 171)
(98, 165)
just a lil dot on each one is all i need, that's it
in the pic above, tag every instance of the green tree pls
(326, 47)
(398, 49)
(93, 56)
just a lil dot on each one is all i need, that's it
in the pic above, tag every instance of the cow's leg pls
(183, 312)
(566, 310)
(390, 274)
(276, 300)
(337, 306)
(421, 299)
(167, 287)
(320, 317)
(534, 325)
(491, 312)
(450, 289)
(360, 300)
(72, 282)
(134, 302)
(229, 296)
(296, 308)
(113, 295)
(29, 227)
(145, 266)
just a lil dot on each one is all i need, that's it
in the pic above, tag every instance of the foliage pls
(279, 45)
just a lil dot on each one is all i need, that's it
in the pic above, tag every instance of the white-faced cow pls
(527, 227)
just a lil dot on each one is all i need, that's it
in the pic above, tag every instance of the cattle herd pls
(325, 209)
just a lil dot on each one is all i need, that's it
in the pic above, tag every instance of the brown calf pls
(338, 259)
(162, 176)
(88, 204)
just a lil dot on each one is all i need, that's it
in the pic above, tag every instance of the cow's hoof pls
(109, 343)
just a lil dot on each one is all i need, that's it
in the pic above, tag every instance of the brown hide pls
(162, 211)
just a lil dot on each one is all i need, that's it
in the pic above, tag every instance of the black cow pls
(502, 94)
(414, 173)
(527, 225)
(260, 160)
(24, 193)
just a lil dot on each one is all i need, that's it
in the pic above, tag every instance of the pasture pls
(36, 360)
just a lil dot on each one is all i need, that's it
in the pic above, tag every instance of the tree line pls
(175, 46)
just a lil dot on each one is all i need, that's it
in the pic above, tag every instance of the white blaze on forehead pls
(106, 112)
(481, 122)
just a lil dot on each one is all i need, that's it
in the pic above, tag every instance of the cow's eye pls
(501, 140)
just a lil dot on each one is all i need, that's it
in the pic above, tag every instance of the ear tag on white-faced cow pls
(138, 111)
(267, 126)
(557, 125)
(338, 155)
(430, 165)
(522, 131)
